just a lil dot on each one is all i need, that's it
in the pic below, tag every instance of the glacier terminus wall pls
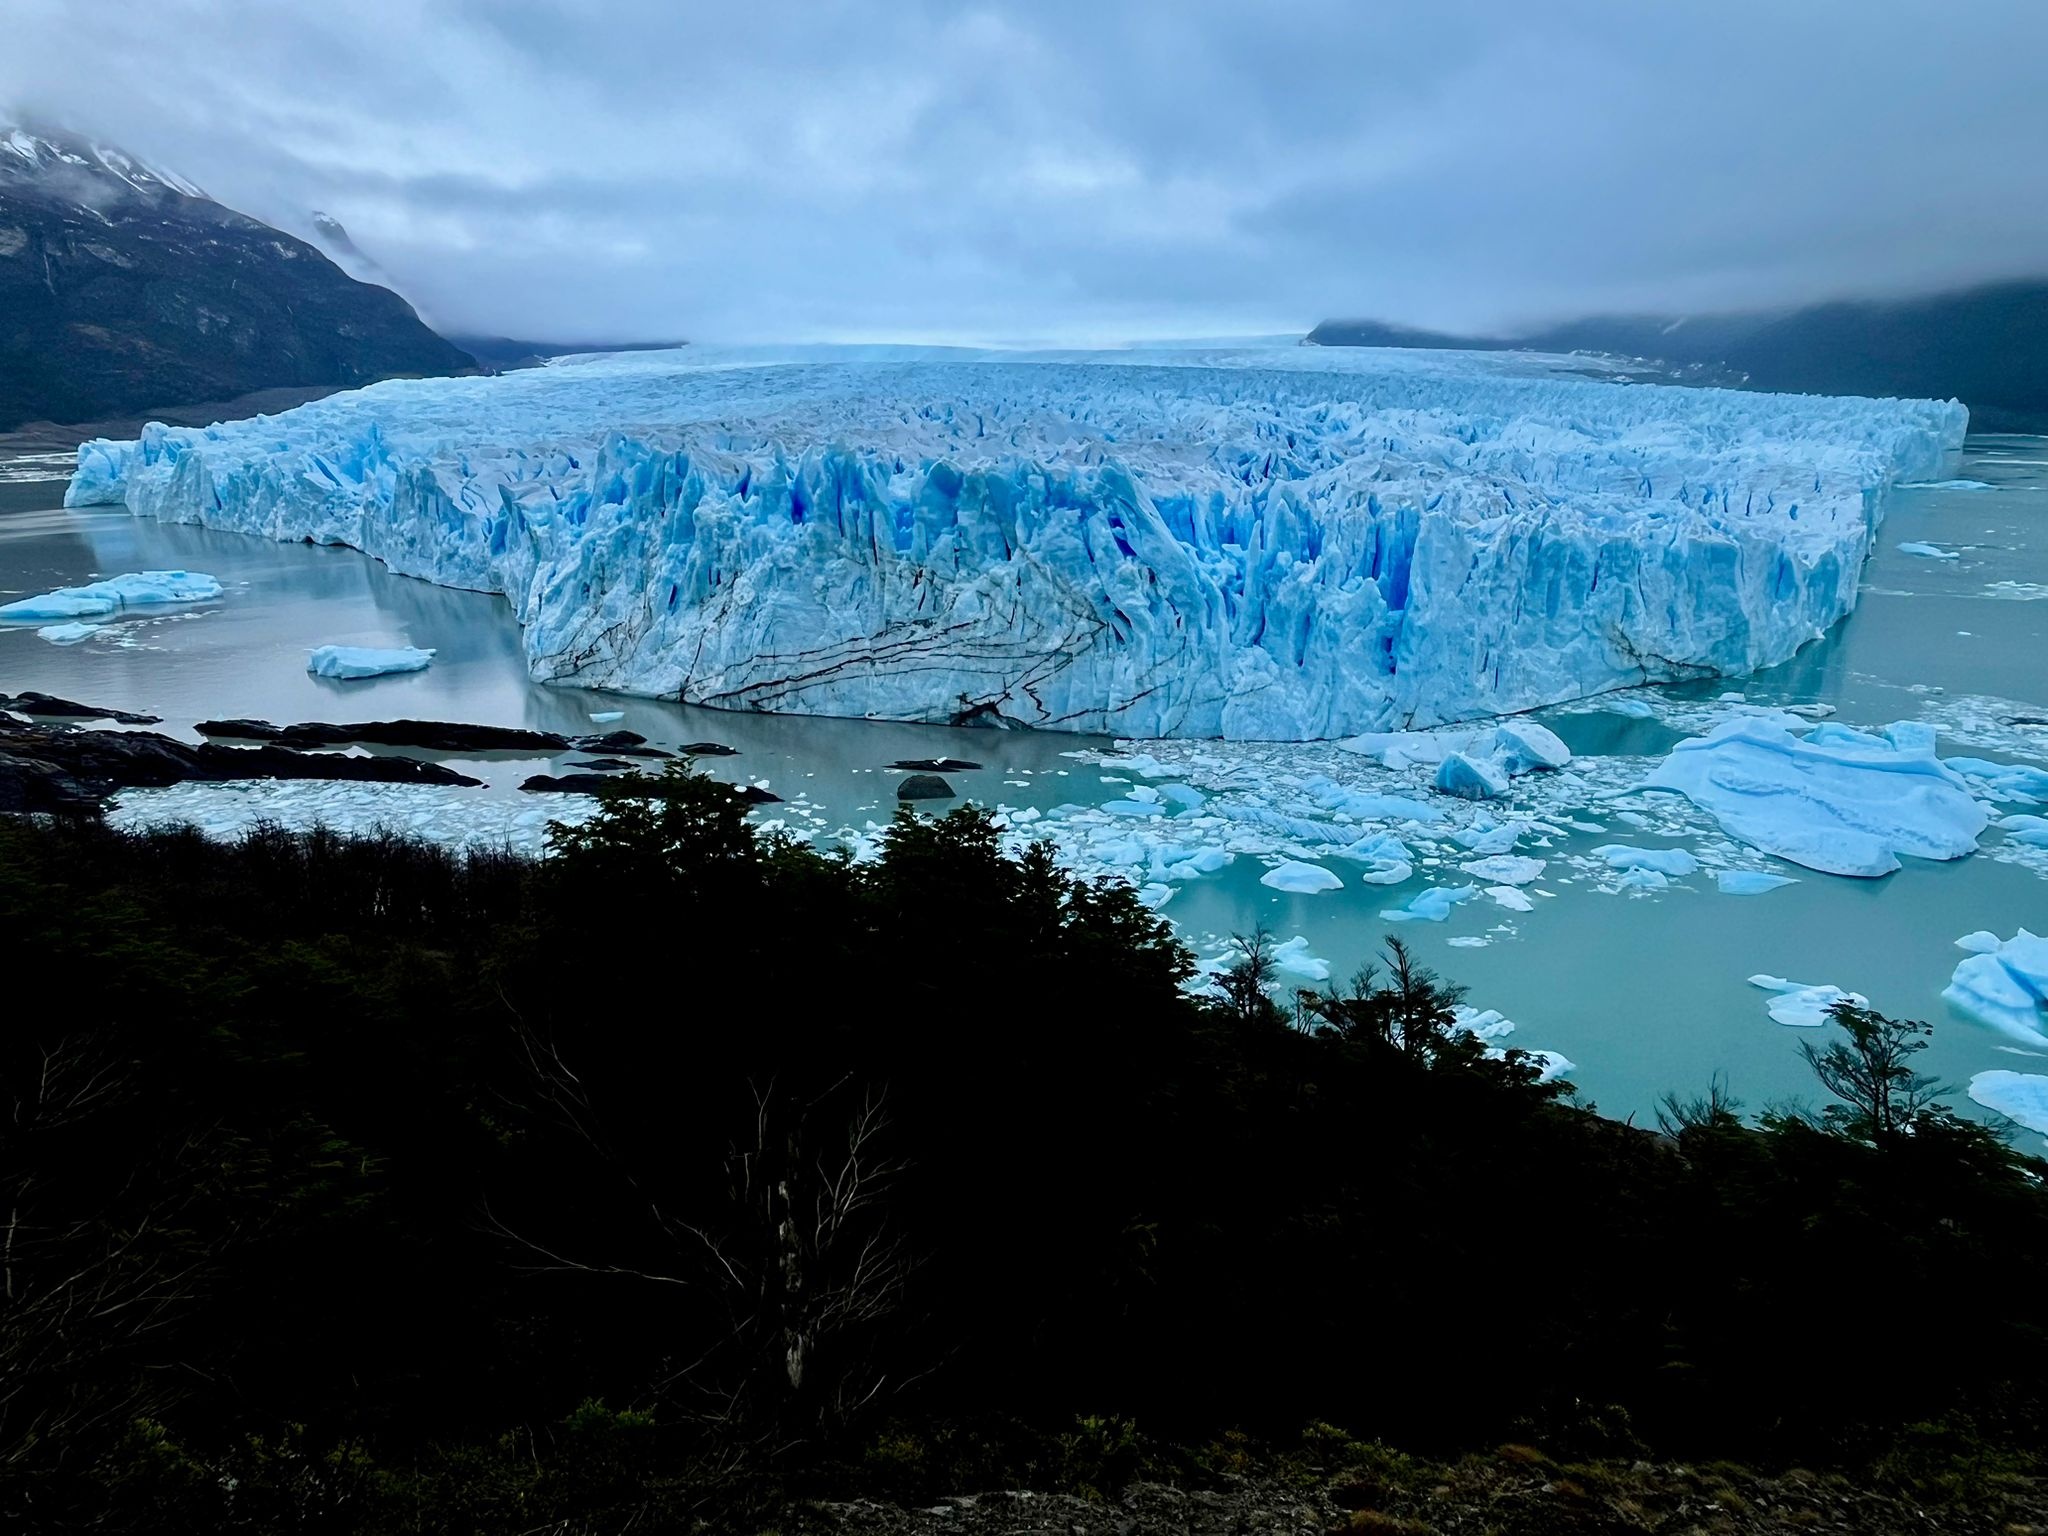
(1268, 543)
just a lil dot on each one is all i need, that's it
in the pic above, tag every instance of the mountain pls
(124, 287)
(1987, 347)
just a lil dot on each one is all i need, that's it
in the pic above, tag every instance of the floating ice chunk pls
(1507, 896)
(1386, 858)
(607, 716)
(1749, 882)
(1489, 1025)
(2031, 830)
(1432, 905)
(1551, 1065)
(1389, 808)
(1927, 551)
(2006, 987)
(1945, 485)
(1300, 879)
(1804, 1005)
(68, 634)
(1184, 797)
(136, 589)
(1675, 862)
(1140, 808)
(1523, 746)
(1982, 942)
(1505, 869)
(1471, 778)
(1203, 861)
(1840, 801)
(348, 663)
(1293, 960)
(2006, 781)
(1634, 709)
(1485, 838)
(1155, 896)
(1643, 880)
(2022, 1097)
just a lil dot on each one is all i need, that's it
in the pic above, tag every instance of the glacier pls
(1263, 544)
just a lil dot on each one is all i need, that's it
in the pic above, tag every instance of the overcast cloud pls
(1084, 168)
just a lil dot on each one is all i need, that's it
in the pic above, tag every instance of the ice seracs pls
(1279, 544)
(350, 663)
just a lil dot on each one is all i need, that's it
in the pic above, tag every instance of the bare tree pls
(88, 1275)
(800, 1265)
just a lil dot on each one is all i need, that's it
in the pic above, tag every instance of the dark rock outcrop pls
(642, 784)
(423, 735)
(925, 786)
(935, 764)
(38, 761)
(124, 288)
(49, 706)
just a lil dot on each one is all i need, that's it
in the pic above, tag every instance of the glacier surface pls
(1279, 543)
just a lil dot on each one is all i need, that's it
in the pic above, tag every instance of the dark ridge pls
(50, 706)
(121, 290)
(1987, 347)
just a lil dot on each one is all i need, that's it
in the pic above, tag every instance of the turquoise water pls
(1645, 993)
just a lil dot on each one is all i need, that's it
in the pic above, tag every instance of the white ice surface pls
(1283, 543)
(1804, 1005)
(354, 662)
(136, 589)
(1840, 801)
(2021, 1097)
(2004, 984)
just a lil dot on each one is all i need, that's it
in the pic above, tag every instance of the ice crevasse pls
(1278, 543)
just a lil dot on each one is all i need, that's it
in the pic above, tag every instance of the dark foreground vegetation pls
(684, 1177)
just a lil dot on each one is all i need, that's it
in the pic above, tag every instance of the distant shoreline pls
(55, 437)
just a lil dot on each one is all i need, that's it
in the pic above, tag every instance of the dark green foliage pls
(358, 1185)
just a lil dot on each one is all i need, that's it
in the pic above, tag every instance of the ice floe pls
(2022, 1097)
(355, 662)
(2004, 983)
(136, 589)
(1840, 801)
(1804, 1005)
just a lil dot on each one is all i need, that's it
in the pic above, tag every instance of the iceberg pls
(349, 663)
(2004, 983)
(1673, 863)
(1300, 879)
(2022, 1097)
(1804, 1005)
(1927, 551)
(1749, 882)
(136, 589)
(1293, 960)
(1258, 544)
(1840, 801)
(68, 634)
(1432, 905)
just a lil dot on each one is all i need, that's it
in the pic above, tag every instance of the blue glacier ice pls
(350, 663)
(2004, 983)
(1841, 801)
(1276, 543)
(2021, 1097)
(96, 600)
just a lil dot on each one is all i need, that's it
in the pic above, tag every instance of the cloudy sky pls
(611, 169)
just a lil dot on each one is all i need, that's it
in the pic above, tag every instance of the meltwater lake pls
(1644, 991)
